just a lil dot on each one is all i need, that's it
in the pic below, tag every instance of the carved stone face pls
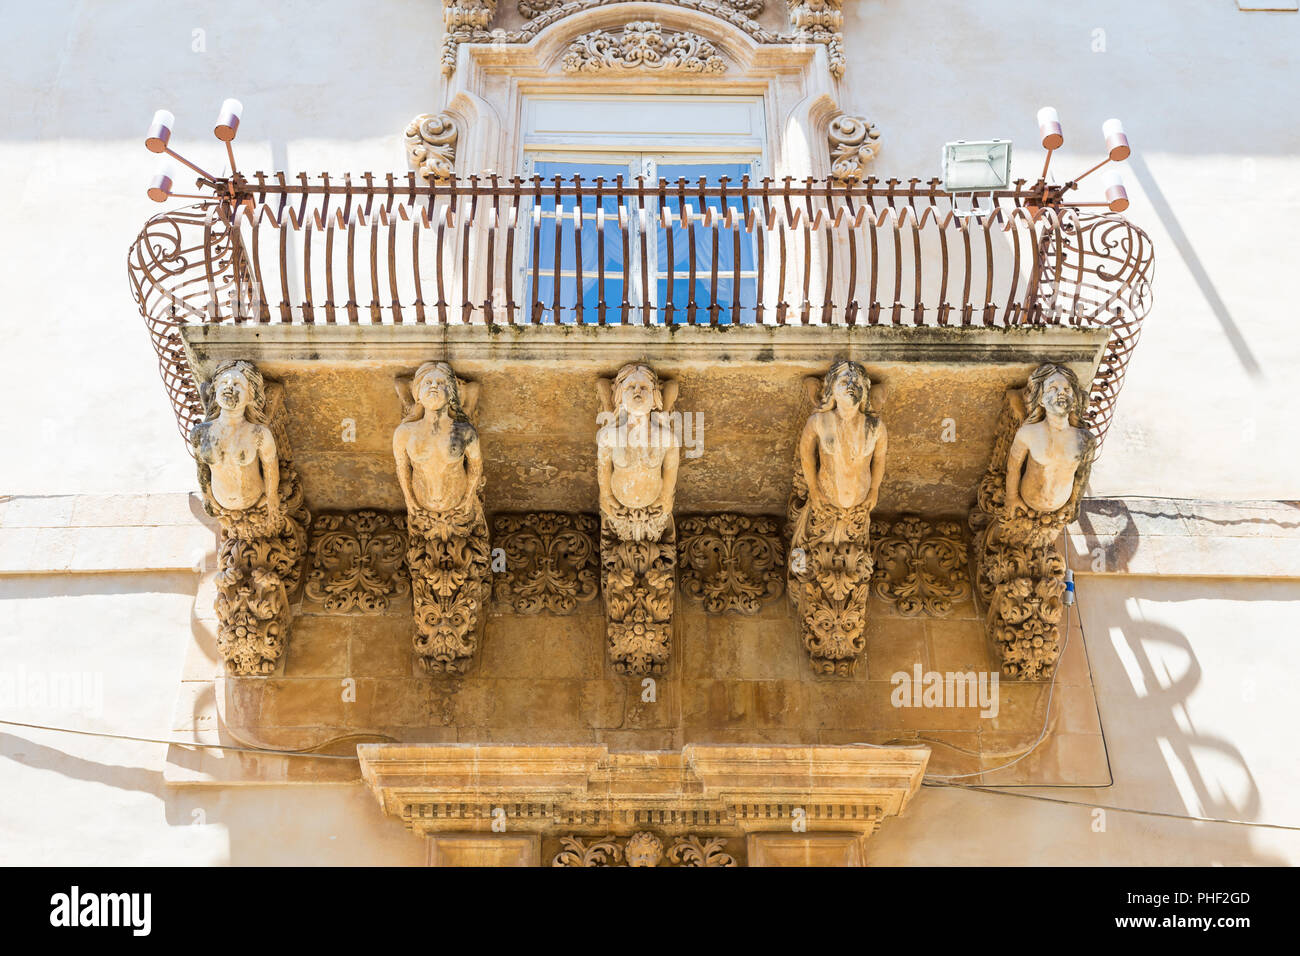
(638, 393)
(232, 390)
(1058, 395)
(432, 390)
(643, 849)
(847, 390)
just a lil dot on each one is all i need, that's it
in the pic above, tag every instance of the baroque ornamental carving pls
(431, 146)
(1041, 460)
(643, 849)
(637, 454)
(551, 561)
(251, 487)
(840, 464)
(821, 21)
(462, 15)
(854, 142)
(440, 470)
(642, 45)
(358, 561)
(920, 567)
(731, 562)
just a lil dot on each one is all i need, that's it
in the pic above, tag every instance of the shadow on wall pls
(1160, 760)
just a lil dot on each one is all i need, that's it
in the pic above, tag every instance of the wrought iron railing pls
(487, 250)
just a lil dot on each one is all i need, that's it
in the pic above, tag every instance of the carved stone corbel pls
(431, 146)
(638, 452)
(1041, 459)
(440, 470)
(250, 485)
(854, 142)
(462, 15)
(358, 561)
(838, 469)
(920, 566)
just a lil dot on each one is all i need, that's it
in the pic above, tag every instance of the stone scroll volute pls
(839, 466)
(637, 455)
(250, 485)
(1041, 460)
(440, 471)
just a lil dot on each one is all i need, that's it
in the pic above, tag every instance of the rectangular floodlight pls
(976, 166)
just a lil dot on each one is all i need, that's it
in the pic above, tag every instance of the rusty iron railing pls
(486, 250)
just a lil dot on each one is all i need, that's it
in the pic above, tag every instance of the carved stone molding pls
(358, 561)
(821, 21)
(731, 562)
(461, 15)
(813, 21)
(550, 561)
(431, 146)
(642, 45)
(838, 470)
(637, 455)
(1043, 453)
(854, 142)
(643, 849)
(440, 470)
(920, 567)
(250, 485)
(589, 792)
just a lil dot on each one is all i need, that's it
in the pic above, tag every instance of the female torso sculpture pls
(637, 456)
(842, 448)
(439, 462)
(238, 463)
(1051, 450)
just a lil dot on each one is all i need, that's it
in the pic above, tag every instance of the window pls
(684, 140)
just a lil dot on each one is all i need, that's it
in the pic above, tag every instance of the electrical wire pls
(186, 743)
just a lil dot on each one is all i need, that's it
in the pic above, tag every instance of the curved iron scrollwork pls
(467, 251)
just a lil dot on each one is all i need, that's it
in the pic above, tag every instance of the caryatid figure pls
(843, 447)
(1051, 453)
(440, 470)
(637, 455)
(251, 487)
(439, 461)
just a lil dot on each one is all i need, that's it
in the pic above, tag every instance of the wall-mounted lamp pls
(1117, 150)
(158, 140)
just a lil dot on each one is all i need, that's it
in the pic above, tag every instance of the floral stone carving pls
(357, 561)
(461, 15)
(920, 567)
(841, 462)
(821, 21)
(440, 470)
(637, 454)
(854, 142)
(731, 562)
(643, 849)
(250, 485)
(643, 45)
(431, 146)
(1041, 460)
(550, 561)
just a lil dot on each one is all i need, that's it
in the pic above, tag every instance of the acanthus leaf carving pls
(250, 485)
(550, 561)
(431, 146)
(920, 567)
(463, 15)
(642, 45)
(357, 561)
(1042, 455)
(854, 142)
(643, 849)
(821, 21)
(731, 562)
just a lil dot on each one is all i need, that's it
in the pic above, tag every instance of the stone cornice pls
(742, 789)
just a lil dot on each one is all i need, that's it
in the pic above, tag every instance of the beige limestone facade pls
(484, 594)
